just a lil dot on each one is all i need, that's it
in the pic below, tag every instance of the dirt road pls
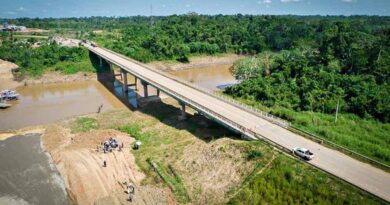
(358, 173)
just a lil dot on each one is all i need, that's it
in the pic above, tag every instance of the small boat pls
(9, 95)
(4, 105)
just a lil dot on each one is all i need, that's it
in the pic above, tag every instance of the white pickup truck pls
(303, 152)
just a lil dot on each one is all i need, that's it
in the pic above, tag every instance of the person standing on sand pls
(104, 163)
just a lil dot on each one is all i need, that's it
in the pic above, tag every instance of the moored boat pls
(4, 105)
(9, 95)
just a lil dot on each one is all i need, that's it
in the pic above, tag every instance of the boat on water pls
(9, 95)
(4, 105)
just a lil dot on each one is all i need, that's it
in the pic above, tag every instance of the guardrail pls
(259, 113)
(340, 148)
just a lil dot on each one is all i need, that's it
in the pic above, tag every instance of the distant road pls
(365, 176)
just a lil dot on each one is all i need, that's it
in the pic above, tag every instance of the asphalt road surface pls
(365, 176)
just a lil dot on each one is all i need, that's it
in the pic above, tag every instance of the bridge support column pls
(100, 61)
(112, 71)
(183, 111)
(145, 85)
(124, 77)
(135, 82)
(158, 92)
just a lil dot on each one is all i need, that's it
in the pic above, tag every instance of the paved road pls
(363, 175)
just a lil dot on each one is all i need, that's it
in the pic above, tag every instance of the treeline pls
(35, 61)
(177, 37)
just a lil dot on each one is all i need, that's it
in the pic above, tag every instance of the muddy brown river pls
(41, 104)
(210, 77)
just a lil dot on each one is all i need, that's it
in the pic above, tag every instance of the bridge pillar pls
(112, 71)
(100, 61)
(145, 85)
(158, 92)
(183, 111)
(135, 82)
(124, 77)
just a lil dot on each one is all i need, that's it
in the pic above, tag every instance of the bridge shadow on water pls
(167, 113)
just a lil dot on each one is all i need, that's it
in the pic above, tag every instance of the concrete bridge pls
(250, 123)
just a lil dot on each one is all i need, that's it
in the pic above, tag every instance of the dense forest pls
(177, 37)
(48, 57)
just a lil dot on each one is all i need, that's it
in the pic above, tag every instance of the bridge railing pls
(271, 118)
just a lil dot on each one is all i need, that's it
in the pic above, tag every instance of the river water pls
(27, 175)
(40, 104)
(210, 77)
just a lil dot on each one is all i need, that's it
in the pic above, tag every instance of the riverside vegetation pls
(33, 62)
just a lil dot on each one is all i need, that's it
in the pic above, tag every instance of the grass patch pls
(173, 180)
(288, 181)
(69, 67)
(254, 154)
(84, 124)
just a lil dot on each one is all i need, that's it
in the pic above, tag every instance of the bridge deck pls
(365, 176)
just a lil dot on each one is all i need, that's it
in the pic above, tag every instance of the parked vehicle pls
(9, 95)
(303, 153)
(93, 44)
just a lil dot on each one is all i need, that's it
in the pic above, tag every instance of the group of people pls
(111, 144)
